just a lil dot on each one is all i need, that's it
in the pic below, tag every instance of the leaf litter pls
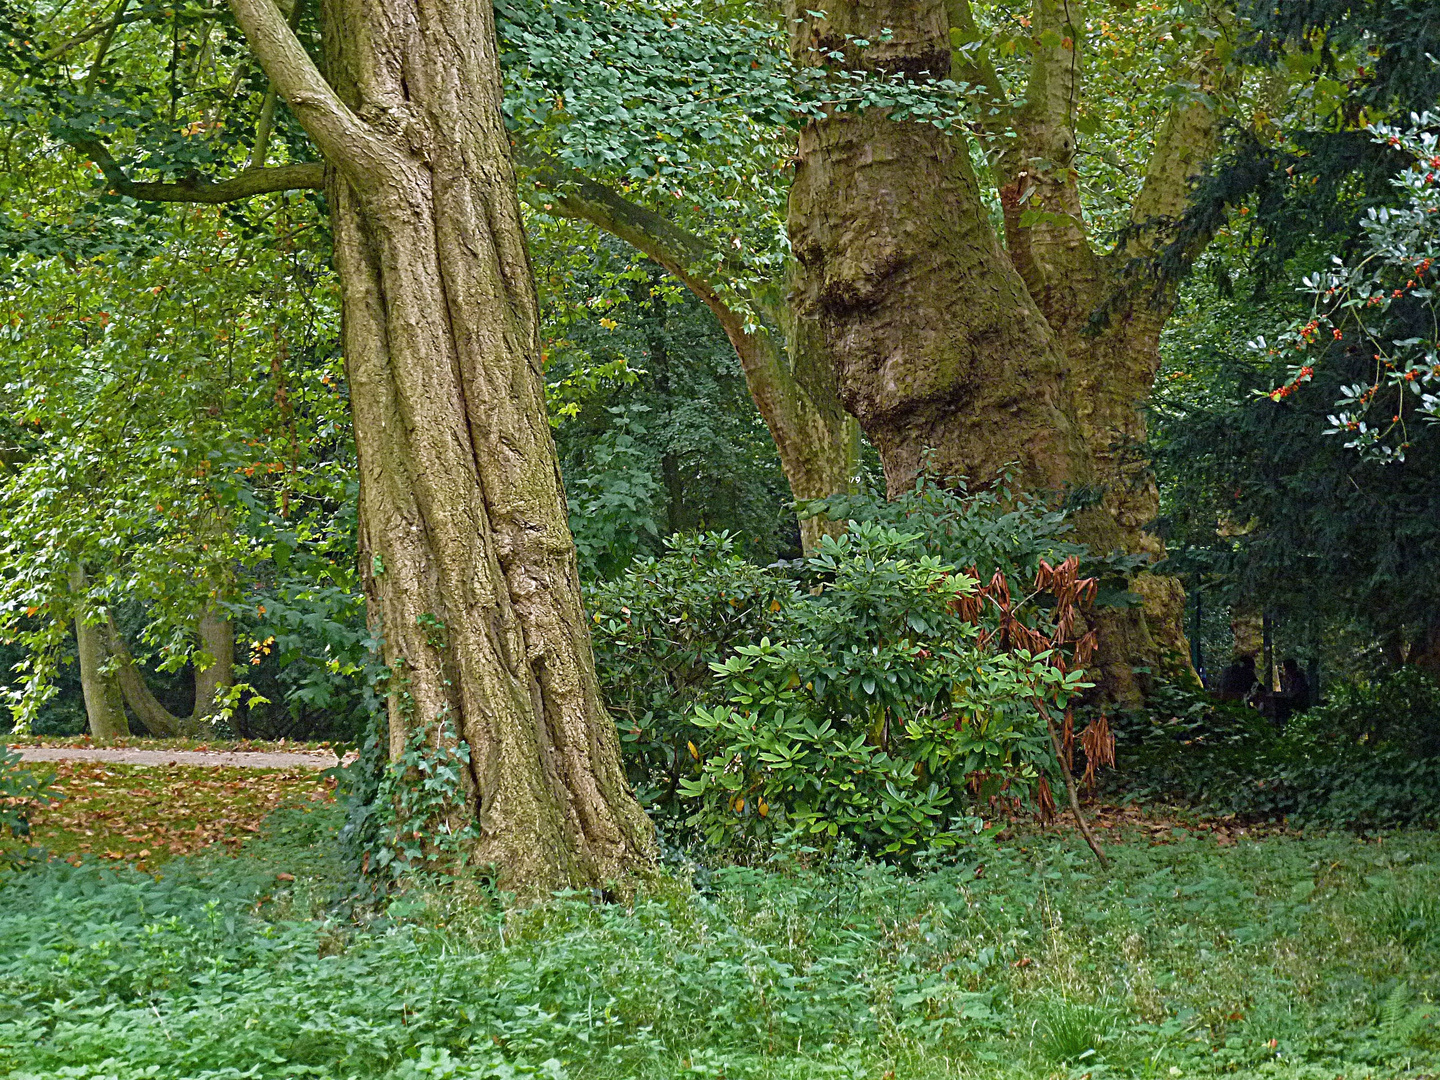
(148, 814)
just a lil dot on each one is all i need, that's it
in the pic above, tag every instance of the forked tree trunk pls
(1111, 360)
(217, 675)
(470, 567)
(104, 707)
(937, 344)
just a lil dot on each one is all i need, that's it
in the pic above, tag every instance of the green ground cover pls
(1281, 956)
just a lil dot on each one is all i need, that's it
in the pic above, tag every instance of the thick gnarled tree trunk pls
(1108, 310)
(471, 570)
(937, 344)
(944, 340)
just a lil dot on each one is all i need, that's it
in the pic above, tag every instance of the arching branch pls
(683, 254)
(816, 440)
(572, 194)
(971, 63)
(94, 30)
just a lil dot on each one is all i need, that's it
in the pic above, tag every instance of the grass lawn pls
(1279, 956)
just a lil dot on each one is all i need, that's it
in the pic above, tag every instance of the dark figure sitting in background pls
(1237, 682)
(1294, 695)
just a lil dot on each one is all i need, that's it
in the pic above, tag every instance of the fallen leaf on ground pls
(150, 813)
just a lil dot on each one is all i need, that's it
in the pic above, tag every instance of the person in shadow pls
(1294, 695)
(1238, 682)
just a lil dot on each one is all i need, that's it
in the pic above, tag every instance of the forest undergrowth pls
(1278, 955)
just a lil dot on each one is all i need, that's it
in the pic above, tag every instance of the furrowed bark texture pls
(104, 707)
(471, 571)
(937, 344)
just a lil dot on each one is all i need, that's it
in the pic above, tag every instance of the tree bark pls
(104, 708)
(470, 568)
(1246, 635)
(217, 636)
(937, 343)
(158, 720)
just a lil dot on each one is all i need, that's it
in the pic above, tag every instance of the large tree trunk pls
(1425, 652)
(944, 340)
(471, 571)
(934, 340)
(937, 344)
(104, 707)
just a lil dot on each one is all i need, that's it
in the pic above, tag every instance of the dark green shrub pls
(848, 694)
(657, 629)
(1399, 710)
(993, 529)
(1367, 758)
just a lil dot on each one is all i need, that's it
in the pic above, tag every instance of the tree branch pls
(304, 176)
(784, 403)
(575, 195)
(1044, 178)
(266, 123)
(103, 27)
(1159, 243)
(682, 253)
(345, 140)
(98, 64)
(1070, 791)
(974, 66)
(1184, 145)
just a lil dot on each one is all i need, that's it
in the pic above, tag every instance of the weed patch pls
(1278, 957)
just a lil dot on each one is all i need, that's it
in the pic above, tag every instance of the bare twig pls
(1070, 790)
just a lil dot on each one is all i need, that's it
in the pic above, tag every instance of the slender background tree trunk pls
(104, 707)
(212, 677)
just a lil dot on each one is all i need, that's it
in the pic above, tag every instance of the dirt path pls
(244, 759)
